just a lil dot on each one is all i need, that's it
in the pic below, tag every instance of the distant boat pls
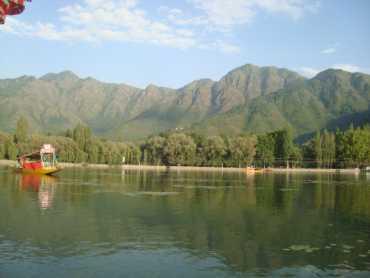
(252, 170)
(41, 162)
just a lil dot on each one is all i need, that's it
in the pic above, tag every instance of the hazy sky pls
(171, 43)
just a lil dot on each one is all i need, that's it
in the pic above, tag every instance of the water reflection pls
(207, 224)
(44, 185)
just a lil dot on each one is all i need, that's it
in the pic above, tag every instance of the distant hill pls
(247, 99)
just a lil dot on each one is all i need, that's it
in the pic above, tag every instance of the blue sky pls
(170, 43)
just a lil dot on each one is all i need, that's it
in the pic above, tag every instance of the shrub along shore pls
(204, 169)
(276, 150)
(12, 163)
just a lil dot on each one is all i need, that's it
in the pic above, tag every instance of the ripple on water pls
(289, 189)
(301, 247)
(219, 219)
(151, 193)
(206, 187)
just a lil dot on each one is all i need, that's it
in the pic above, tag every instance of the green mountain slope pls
(247, 99)
(332, 99)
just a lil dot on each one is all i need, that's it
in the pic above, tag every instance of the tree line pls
(74, 146)
(340, 149)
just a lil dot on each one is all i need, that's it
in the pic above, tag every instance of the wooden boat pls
(41, 162)
(252, 170)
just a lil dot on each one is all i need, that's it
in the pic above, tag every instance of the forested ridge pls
(248, 99)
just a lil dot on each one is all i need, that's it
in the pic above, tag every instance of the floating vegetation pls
(305, 248)
(130, 194)
(159, 193)
(202, 186)
(150, 193)
(103, 192)
(312, 182)
(347, 247)
(288, 189)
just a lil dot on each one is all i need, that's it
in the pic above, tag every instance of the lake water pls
(109, 223)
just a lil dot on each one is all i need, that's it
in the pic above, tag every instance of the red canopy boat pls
(40, 162)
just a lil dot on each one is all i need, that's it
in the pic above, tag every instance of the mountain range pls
(247, 99)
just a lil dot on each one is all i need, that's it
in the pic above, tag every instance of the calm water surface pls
(109, 223)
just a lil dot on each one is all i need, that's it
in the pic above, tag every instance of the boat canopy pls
(46, 155)
(31, 156)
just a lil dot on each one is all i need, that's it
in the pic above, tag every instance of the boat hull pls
(252, 171)
(40, 171)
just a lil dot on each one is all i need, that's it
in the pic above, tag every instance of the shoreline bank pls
(193, 168)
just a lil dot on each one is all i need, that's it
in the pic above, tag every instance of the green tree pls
(21, 131)
(214, 150)
(134, 154)
(92, 150)
(11, 150)
(296, 156)
(82, 135)
(199, 140)
(265, 150)
(80, 156)
(361, 146)
(2, 150)
(344, 147)
(179, 149)
(328, 149)
(317, 149)
(154, 150)
(242, 150)
(283, 145)
(69, 133)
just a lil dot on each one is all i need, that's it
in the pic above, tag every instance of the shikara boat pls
(252, 170)
(42, 162)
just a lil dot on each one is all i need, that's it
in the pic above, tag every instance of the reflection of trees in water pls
(245, 220)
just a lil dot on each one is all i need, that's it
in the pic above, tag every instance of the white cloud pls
(177, 17)
(308, 72)
(348, 67)
(329, 50)
(312, 72)
(224, 14)
(227, 47)
(222, 46)
(294, 8)
(98, 21)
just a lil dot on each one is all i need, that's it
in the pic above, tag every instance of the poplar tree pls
(317, 149)
(21, 131)
(179, 149)
(265, 149)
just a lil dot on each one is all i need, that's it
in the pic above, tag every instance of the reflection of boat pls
(33, 182)
(41, 162)
(44, 185)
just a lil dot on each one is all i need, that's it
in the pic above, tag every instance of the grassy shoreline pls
(193, 168)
